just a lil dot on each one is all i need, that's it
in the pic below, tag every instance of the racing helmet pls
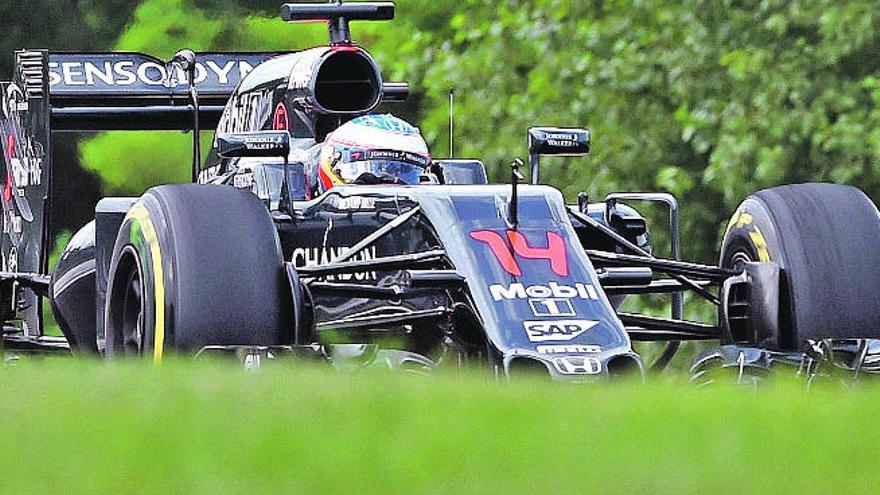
(373, 149)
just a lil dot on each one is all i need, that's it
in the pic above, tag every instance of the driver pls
(373, 149)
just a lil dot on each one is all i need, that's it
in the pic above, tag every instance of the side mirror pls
(555, 141)
(262, 143)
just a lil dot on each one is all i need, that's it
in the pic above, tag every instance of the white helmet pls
(382, 146)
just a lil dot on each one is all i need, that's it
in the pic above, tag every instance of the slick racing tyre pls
(196, 265)
(826, 240)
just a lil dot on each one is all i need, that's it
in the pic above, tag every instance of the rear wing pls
(134, 91)
(53, 91)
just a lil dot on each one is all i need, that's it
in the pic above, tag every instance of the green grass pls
(74, 427)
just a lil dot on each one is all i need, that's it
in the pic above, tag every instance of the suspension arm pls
(670, 267)
(383, 320)
(663, 286)
(649, 325)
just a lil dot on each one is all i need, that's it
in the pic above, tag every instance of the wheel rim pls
(127, 305)
(133, 314)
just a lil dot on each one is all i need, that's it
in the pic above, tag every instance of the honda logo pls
(577, 365)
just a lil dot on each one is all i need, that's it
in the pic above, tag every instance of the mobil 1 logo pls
(551, 307)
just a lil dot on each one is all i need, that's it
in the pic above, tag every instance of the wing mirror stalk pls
(515, 177)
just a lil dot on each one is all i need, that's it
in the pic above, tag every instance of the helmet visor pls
(400, 164)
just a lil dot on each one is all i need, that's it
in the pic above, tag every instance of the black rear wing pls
(134, 91)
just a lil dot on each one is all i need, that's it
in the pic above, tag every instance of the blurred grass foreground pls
(89, 427)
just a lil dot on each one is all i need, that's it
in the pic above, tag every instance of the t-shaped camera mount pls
(338, 15)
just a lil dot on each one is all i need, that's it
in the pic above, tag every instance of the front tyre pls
(196, 265)
(826, 240)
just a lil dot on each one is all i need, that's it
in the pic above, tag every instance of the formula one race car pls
(248, 260)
